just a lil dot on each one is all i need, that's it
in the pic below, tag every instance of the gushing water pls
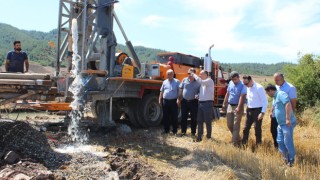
(77, 89)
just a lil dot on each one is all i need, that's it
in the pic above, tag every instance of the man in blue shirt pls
(16, 59)
(282, 85)
(235, 96)
(189, 88)
(286, 123)
(168, 99)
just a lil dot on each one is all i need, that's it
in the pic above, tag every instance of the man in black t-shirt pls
(16, 59)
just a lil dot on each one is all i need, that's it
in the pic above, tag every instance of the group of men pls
(194, 95)
(282, 117)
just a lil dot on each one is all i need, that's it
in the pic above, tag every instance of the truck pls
(116, 84)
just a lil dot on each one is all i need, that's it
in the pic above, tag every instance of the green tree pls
(305, 76)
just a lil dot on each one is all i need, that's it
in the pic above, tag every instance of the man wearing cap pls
(283, 112)
(189, 88)
(257, 103)
(235, 96)
(168, 99)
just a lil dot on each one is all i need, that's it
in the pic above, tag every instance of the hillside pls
(36, 44)
(255, 68)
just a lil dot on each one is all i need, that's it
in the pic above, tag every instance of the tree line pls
(39, 47)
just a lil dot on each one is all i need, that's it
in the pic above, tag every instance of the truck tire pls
(150, 111)
(95, 110)
(130, 113)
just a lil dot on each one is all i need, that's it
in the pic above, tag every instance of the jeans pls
(285, 142)
(186, 107)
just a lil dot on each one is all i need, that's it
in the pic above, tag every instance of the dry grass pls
(181, 158)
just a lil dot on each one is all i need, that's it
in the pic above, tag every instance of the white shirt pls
(257, 97)
(206, 92)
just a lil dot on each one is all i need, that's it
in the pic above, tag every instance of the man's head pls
(171, 58)
(17, 45)
(247, 81)
(170, 74)
(190, 72)
(234, 75)
(204, 74)
(278, 78)
(271, 90)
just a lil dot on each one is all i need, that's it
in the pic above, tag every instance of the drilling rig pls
(115, 83)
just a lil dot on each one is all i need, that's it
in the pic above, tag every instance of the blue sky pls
(242, 31)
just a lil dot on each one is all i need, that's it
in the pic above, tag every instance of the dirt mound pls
(130, 167)
(28, 143)
(35, 68)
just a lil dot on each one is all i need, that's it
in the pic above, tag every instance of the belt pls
(204, 101)
(233, 104)
(169, 99)
(254, 108)
(189, 100)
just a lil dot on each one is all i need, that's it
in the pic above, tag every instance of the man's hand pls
(196, 96)
(288, 122)
(179, 102)
(236, 111)
(223, 108)
(160, 102)
(260, 117)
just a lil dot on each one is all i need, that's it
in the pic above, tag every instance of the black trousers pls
(189, 106)
(252, 117)
(170, 115)
(274, 131)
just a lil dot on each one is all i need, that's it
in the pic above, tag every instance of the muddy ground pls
(43, 152)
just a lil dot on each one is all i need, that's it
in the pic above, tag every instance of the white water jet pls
(77, 89)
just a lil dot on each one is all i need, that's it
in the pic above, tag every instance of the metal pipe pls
(210, 51)
(84, 35)
(57, 70)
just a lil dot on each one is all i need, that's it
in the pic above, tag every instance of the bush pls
(305, 76)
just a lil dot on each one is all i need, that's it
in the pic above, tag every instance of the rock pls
(113, 175)
(44, 176)
(11, 157)
(21, 176)
(124, 129)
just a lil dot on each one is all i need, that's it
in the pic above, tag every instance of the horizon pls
(242, 31)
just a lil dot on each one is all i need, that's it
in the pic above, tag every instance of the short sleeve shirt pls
(169, 89)
(190, 88)
(280, 100)
(16, 61)
(235, 91)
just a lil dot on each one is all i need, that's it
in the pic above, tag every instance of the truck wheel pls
(96, 111)
(150, 110)
(130, 113)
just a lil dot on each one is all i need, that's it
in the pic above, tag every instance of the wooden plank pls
(25, 82)
(151, 81)
(99, 72)
(17, 97)
(29, 76)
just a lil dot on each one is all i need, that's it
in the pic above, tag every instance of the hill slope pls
(35, 43)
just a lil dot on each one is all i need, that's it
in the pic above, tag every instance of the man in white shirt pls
(257, 103)
(205, 107)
